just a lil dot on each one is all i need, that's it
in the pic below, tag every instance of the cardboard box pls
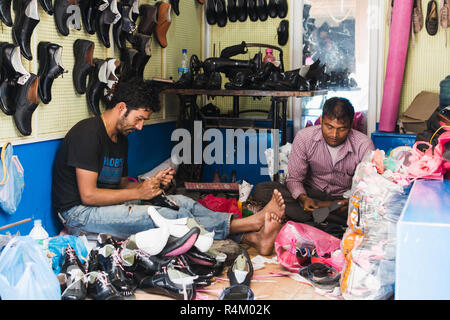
(414, 119)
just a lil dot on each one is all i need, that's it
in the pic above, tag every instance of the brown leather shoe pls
(148, 20)
(163, 22)
(417, 18)
(432, 21)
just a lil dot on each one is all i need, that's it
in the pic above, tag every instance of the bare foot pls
(263, 240)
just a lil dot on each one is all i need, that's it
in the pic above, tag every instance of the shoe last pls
(26, 20)
(26, 100)
(50, 68)
(83, 51)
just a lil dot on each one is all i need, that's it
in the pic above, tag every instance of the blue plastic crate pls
(387, 141)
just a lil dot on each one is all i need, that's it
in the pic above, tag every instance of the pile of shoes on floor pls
(172, 260)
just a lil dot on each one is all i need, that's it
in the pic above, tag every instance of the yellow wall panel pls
(427, 64)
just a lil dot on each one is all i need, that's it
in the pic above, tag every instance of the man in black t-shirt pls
(92, 193)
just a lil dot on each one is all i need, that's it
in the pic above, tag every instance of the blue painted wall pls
(147, 149)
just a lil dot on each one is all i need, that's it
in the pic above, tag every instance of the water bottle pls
(183, 68)
(38, 232)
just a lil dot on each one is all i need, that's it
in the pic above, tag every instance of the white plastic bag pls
(25, 273)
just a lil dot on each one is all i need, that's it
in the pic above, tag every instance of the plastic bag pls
(294, 234)
(59, 243)
(218, 204)
(12, 180)
(425, 165)
(25, 273)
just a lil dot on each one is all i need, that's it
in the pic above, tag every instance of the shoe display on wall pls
(272, 8)
(83, 51)
(163, 23)
(104, 20)
(26, 20)
(12, 73)
(96, 85)
(148, 19)
(26, 101)
(124, 27)
(50, 68)
(221, 13)
(241, 10)
(282, 8)
(432, 20)
(67, 13)
(175, 6)
(261, 10)
(47, 6)
(127, 69)
(210, 12)
(5, 13)
(251, 10)
(232, 10)
(283, 32)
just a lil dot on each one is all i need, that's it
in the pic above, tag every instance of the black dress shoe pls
(74, 272)
(87, 15)
(124, 27)
(210, 12)
(148, 20)
(251, 10)
(241, 270)
(140, 60)
(104, 20)
(100, 288)
(146, 264)
(47, 6)
(12, 73)
(201, 258)
(50, 68)
(221, 13)
(142, 43)
(272, 9)
(96, 85)
(283, 32)
(66, 13)
(109, 262)
(168, 282)
(127, 69)
(282, 7)
(26, 20)
(204, 274)
(83, 51)
(175, 6)
(261, 10)
(5, 12)
(241, 10)
(232, 10)
(26, 101)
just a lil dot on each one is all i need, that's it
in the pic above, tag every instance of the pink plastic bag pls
(425, 165)
(294, 234)
(218, 204)
(443, 139)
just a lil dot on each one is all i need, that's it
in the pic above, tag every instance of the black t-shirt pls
(87, 146)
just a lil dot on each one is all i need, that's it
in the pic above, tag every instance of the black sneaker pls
(100, 288)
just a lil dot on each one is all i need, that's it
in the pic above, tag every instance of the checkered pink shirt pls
(310, 162)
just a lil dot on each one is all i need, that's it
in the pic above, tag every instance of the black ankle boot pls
(83, 51)
(96, 86)
(26, 20)
(5, 12)
(26, 101)
(50, 68)
(12, 74)
(88, 15)
(140, 60)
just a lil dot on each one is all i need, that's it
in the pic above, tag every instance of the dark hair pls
(136, 93)
(338, 108)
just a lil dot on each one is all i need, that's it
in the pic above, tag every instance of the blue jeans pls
(123, 220)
